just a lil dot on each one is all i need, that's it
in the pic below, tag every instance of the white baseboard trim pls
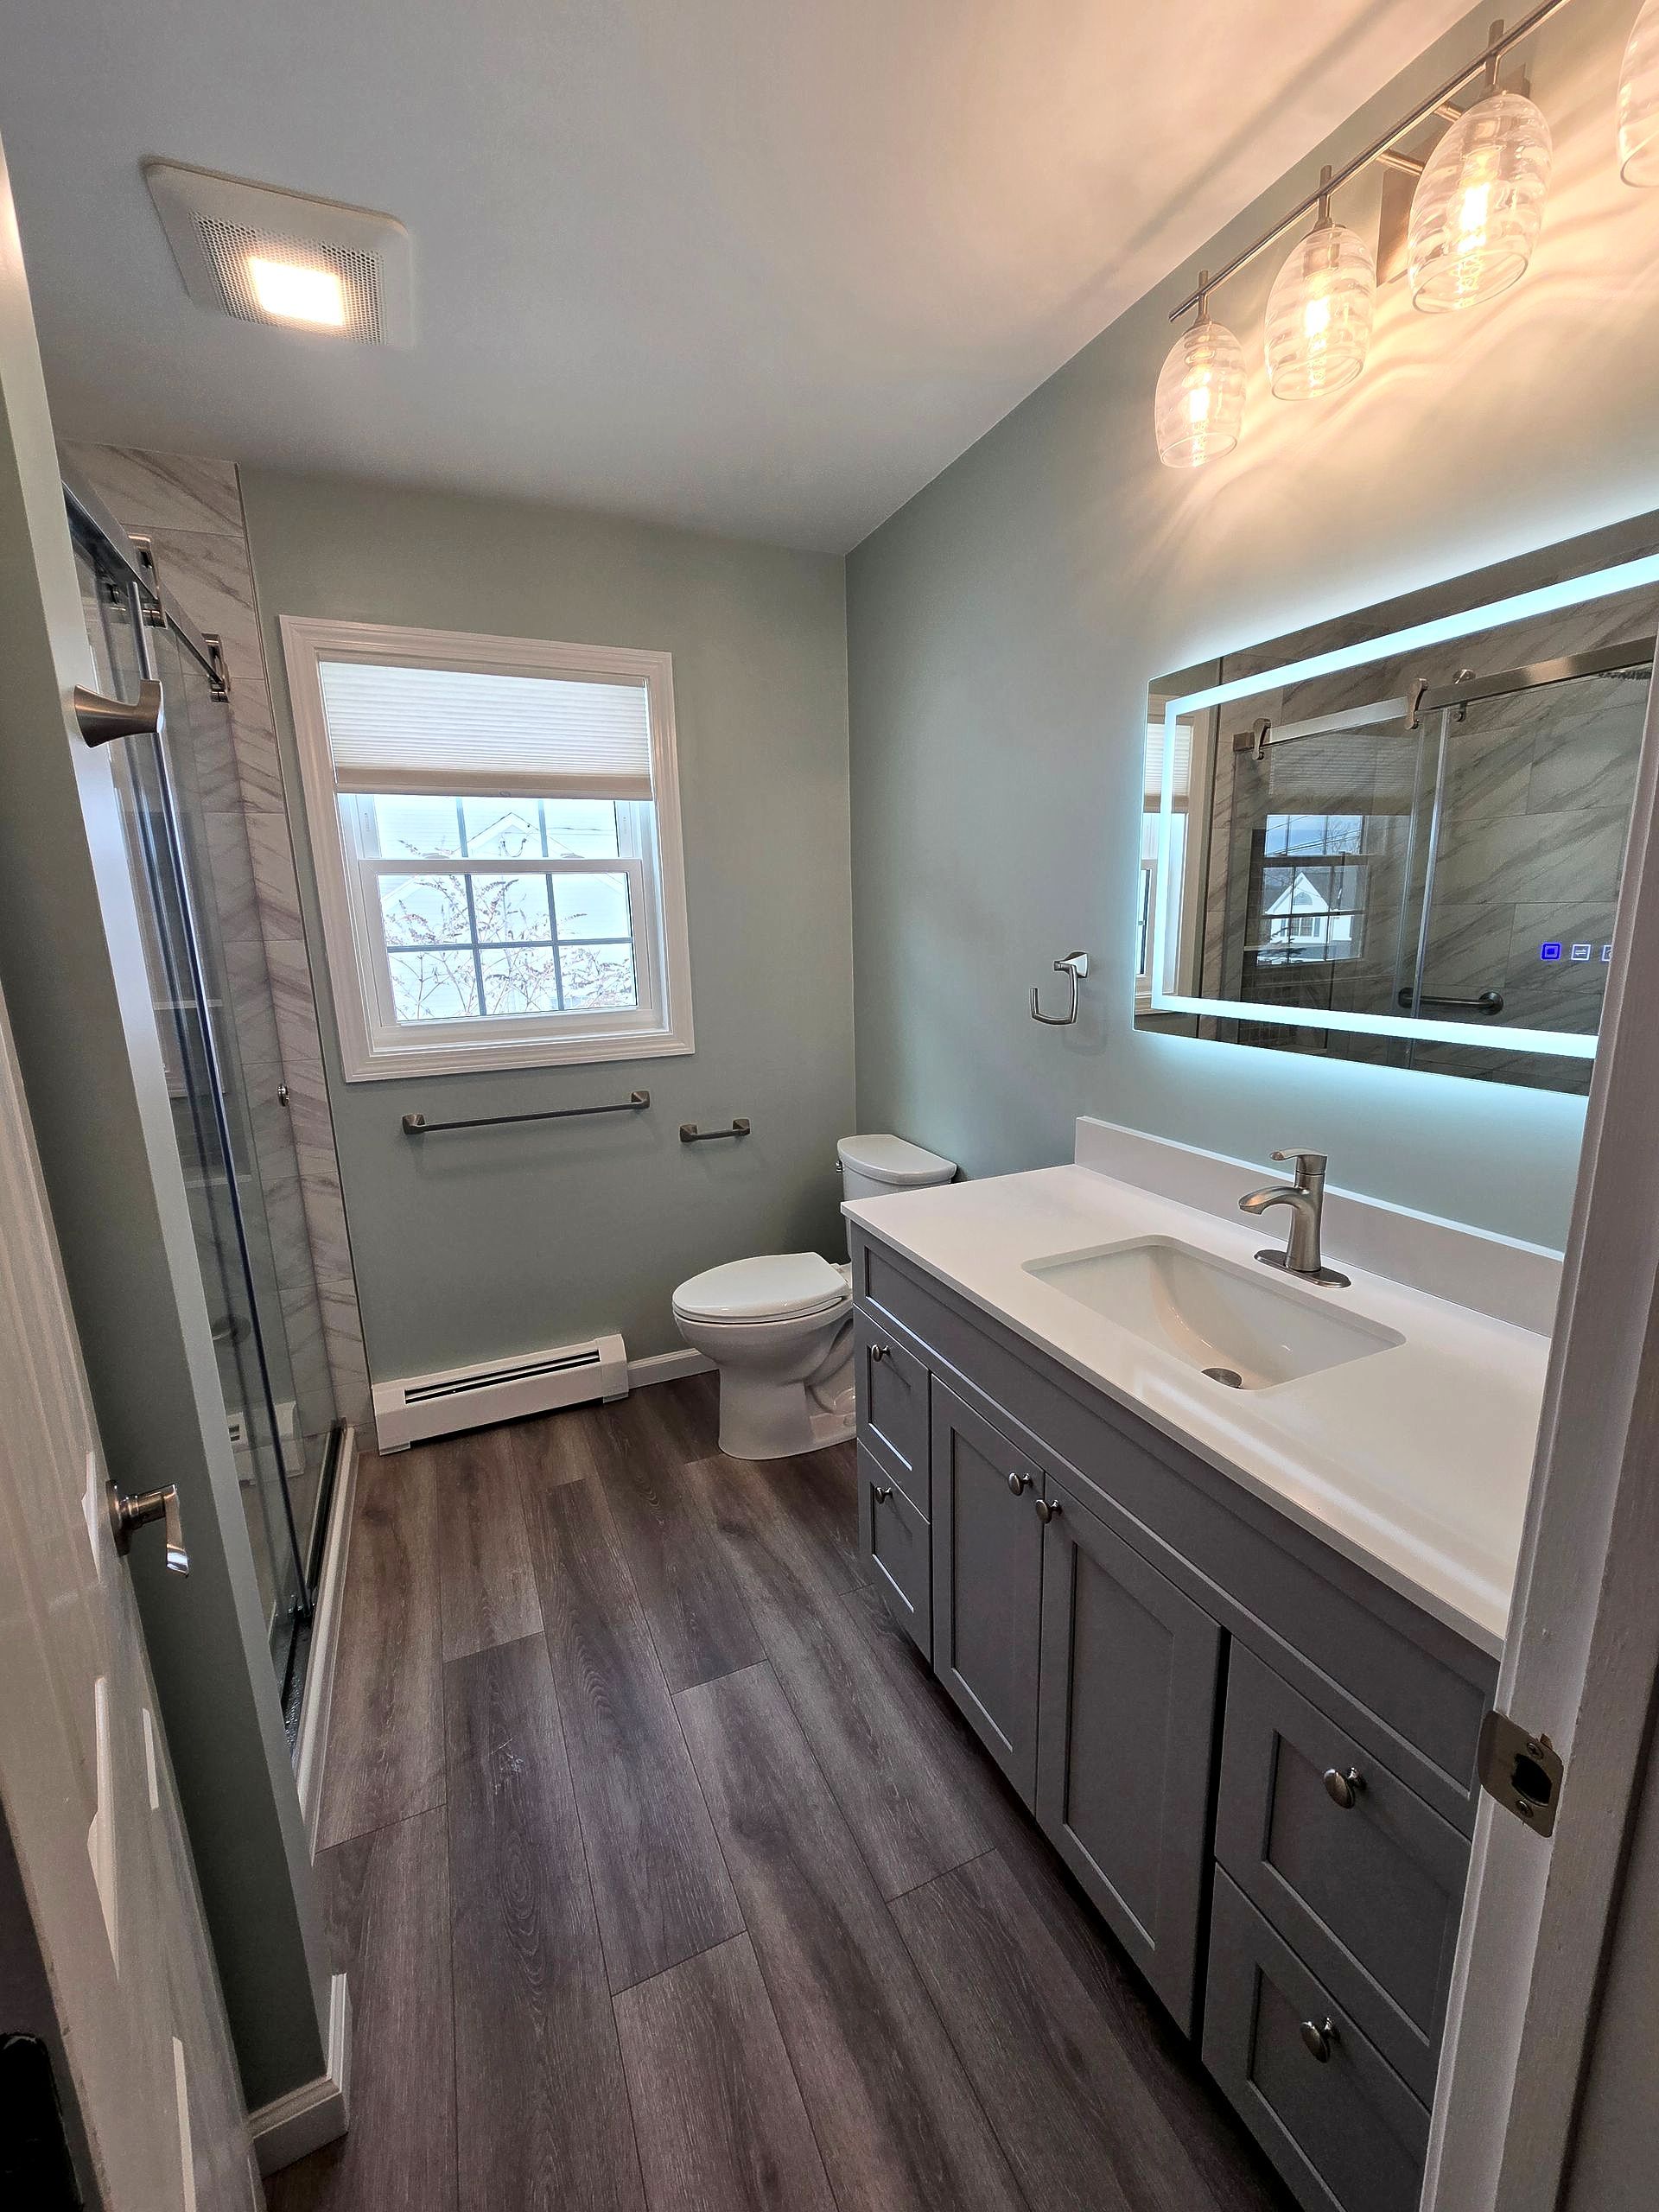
(317, 2112)
(311, 1750)
(667, 1367)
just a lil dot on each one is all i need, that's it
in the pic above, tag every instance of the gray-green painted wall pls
(494, 1241)
(1002, 628)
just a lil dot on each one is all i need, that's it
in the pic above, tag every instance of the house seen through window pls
(1313, 884)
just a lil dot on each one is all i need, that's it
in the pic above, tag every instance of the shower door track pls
(1636, 654)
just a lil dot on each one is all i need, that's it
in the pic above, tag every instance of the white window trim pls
(1149, 877)
(355, 951)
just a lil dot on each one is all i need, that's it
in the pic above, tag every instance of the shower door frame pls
(122, 563)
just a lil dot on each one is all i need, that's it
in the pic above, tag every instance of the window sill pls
(395, 1063)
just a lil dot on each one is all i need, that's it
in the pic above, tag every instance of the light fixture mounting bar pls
(1379, 150)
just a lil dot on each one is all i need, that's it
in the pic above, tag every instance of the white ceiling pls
(757, 266)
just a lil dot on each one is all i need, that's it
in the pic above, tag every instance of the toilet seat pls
(775, 1286)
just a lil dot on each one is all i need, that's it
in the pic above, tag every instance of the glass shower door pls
(277, 1442)
(1512, 923)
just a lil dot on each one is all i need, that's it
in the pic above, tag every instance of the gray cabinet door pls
(1328, 2109)
(987, 1565)
(892, 1405)
(1131, 1672)
(893, 1539)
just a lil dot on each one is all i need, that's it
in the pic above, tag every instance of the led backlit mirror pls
(1397, 836)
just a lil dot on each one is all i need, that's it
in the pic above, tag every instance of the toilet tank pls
(872, 1166)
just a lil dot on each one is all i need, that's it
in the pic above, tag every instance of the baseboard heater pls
(420, 1406)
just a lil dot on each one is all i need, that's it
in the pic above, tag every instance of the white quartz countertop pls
(1414, 1461)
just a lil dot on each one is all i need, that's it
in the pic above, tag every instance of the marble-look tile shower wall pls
(191, 511)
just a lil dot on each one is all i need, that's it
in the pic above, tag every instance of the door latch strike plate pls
(1522, 1772)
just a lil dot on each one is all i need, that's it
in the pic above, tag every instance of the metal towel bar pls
(1489, 1002)
(417, 1125)
(691, 1134)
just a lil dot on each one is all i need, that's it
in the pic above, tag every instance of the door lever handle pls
(103, 720)
(127, 1514)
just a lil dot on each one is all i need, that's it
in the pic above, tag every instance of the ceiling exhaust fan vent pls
(284, 259)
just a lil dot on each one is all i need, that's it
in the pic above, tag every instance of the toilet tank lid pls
(891, 1160)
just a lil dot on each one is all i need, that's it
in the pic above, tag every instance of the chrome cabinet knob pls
(1343, 1788)
(1017, 1483)
(1047, 1507)
(879, 1494)
(127, 1514)
(1318, 2037)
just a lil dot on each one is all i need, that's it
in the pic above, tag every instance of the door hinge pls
(1521, 1771)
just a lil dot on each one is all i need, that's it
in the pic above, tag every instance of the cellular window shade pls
(397, 728)
(1183, 764)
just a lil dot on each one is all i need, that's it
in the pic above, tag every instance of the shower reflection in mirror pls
(1397, 836)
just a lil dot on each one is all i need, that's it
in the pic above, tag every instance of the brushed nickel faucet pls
(1305, 1200)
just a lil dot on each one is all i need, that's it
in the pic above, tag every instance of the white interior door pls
(1583, 1644)
(85, 1779)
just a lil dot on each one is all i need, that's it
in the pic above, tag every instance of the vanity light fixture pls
(1319, 309)
(1638, 101)
(1200, 404)
(1475, 218)
(1479, 203)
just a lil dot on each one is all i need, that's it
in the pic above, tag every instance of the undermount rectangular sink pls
(1211, 1313)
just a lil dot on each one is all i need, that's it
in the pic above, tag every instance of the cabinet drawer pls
(1346, 2133)
(1368, 1893)
(892, 1405)
(893, 1539)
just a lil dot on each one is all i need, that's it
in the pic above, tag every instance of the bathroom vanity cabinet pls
(1255, 1758)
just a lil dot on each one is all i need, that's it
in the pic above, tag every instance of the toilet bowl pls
(779, 1327)
(781, 1331)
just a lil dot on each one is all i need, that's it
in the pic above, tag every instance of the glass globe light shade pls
(1319, 314)
(1200, 402)
(1479, 205)
(1638, 101)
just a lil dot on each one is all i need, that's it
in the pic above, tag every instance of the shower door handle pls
(102, 721)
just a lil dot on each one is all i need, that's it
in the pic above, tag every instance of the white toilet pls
(780, 1328)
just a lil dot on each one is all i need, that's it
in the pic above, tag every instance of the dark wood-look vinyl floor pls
(669, 1880)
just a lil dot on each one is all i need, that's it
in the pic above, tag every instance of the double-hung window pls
(495, 827)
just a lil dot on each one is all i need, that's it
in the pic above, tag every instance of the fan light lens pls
(1200, 405)
(290, 292)
(1479, 205)
(1638, 101)
(1319, 314)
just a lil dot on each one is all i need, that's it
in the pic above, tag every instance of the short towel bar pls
(691, 1134)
